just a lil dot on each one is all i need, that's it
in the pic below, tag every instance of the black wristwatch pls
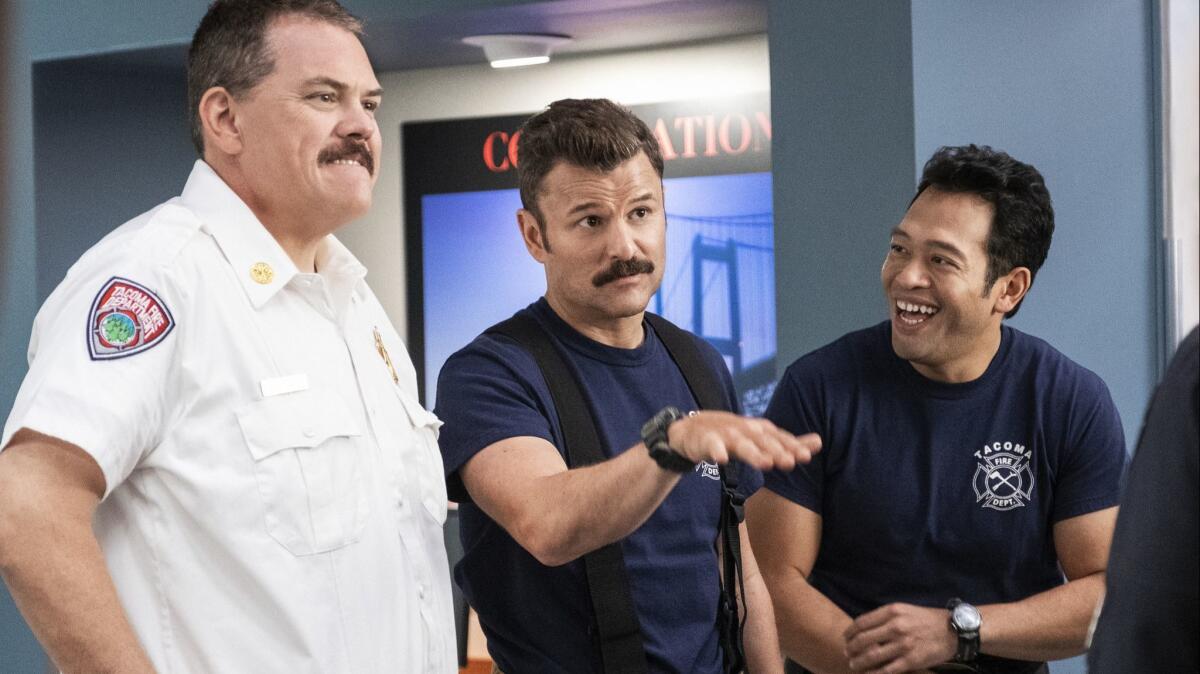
(965, 621)
(654, 436)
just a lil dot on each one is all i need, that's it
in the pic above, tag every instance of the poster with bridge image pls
(468, 268)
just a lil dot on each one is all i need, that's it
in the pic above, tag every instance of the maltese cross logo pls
(1003, 481)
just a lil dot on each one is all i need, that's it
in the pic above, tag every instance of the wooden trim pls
(477, 667)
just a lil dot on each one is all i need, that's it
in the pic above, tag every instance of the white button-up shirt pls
(274, 498)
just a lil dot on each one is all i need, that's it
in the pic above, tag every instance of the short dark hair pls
(591, 133)
(230, 50)
(1023, 216)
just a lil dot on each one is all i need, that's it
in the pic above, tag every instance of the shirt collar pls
(260, 264)
(341, 270)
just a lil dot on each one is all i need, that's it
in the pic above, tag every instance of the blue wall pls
(18, 650)
(133, 152)
(18, 301)
(841, 150)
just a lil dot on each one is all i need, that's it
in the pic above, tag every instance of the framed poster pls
(468, 268)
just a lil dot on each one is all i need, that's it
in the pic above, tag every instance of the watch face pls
(965, 617)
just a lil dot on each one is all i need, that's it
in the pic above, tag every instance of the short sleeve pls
(790, 410)
(487, 393)
(101, 364)
(1094, 458)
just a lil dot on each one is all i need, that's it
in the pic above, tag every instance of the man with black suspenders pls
(593, 490)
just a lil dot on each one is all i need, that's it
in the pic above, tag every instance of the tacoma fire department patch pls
(1003, 478)
(126, 318)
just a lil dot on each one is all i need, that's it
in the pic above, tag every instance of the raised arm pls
(559, 515)
(788, 538)
(51, 561)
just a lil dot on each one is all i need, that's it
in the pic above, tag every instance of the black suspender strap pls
(620, 634)
(706, 390)
(682, 347)
(617, 624)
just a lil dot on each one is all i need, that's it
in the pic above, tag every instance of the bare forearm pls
(52, 563)
(581, 510)
(59, 581)
(760, 638)
(810, 625)
(1047, 626)
(558, 514)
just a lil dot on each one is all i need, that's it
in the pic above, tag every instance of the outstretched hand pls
(718, 437)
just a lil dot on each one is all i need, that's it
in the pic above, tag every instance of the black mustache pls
(621, 268)
(349, 149)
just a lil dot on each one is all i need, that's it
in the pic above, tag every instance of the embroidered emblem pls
(384, 355)
(262, 273)
(1003, 479)
(126, 318)
(710, 470)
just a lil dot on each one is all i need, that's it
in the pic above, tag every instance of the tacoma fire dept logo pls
(126, 318)
(1003, 479)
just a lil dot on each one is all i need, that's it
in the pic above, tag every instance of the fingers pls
(809, 442)
(721, 436)
(782, 450)
(876, 656)
(772, 447)
(714, 448)
(746, 451)
(897, 638)
(865, 641)
(870, 620)
(871, 629)
(800, 449)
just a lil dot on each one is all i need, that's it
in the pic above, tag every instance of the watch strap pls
(654, 436)
(968, 640)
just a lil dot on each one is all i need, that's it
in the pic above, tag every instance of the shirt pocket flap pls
(301, 419)
(418, 415)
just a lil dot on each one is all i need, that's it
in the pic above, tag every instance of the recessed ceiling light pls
(510, 50)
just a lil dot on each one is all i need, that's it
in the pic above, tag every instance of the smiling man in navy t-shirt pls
(593, 216)
(961, 511)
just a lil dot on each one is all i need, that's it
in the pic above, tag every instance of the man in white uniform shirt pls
(217, 462)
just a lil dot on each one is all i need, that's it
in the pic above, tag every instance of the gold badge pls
(262, 273)
(384, 355)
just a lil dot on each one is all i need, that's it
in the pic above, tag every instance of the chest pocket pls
(308, 463)
(432, 484)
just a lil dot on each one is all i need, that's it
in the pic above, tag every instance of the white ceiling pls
(412, 34)
(595, 26)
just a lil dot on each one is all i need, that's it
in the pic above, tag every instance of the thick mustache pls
(621, 268)
(349, 149)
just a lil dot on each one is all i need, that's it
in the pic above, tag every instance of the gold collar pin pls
(383, 353)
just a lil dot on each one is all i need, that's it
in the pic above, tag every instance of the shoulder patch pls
(126, 318)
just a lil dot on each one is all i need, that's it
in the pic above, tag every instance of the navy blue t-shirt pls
(929, 490)
(539, 618)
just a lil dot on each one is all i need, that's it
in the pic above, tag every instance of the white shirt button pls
(308, 432)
